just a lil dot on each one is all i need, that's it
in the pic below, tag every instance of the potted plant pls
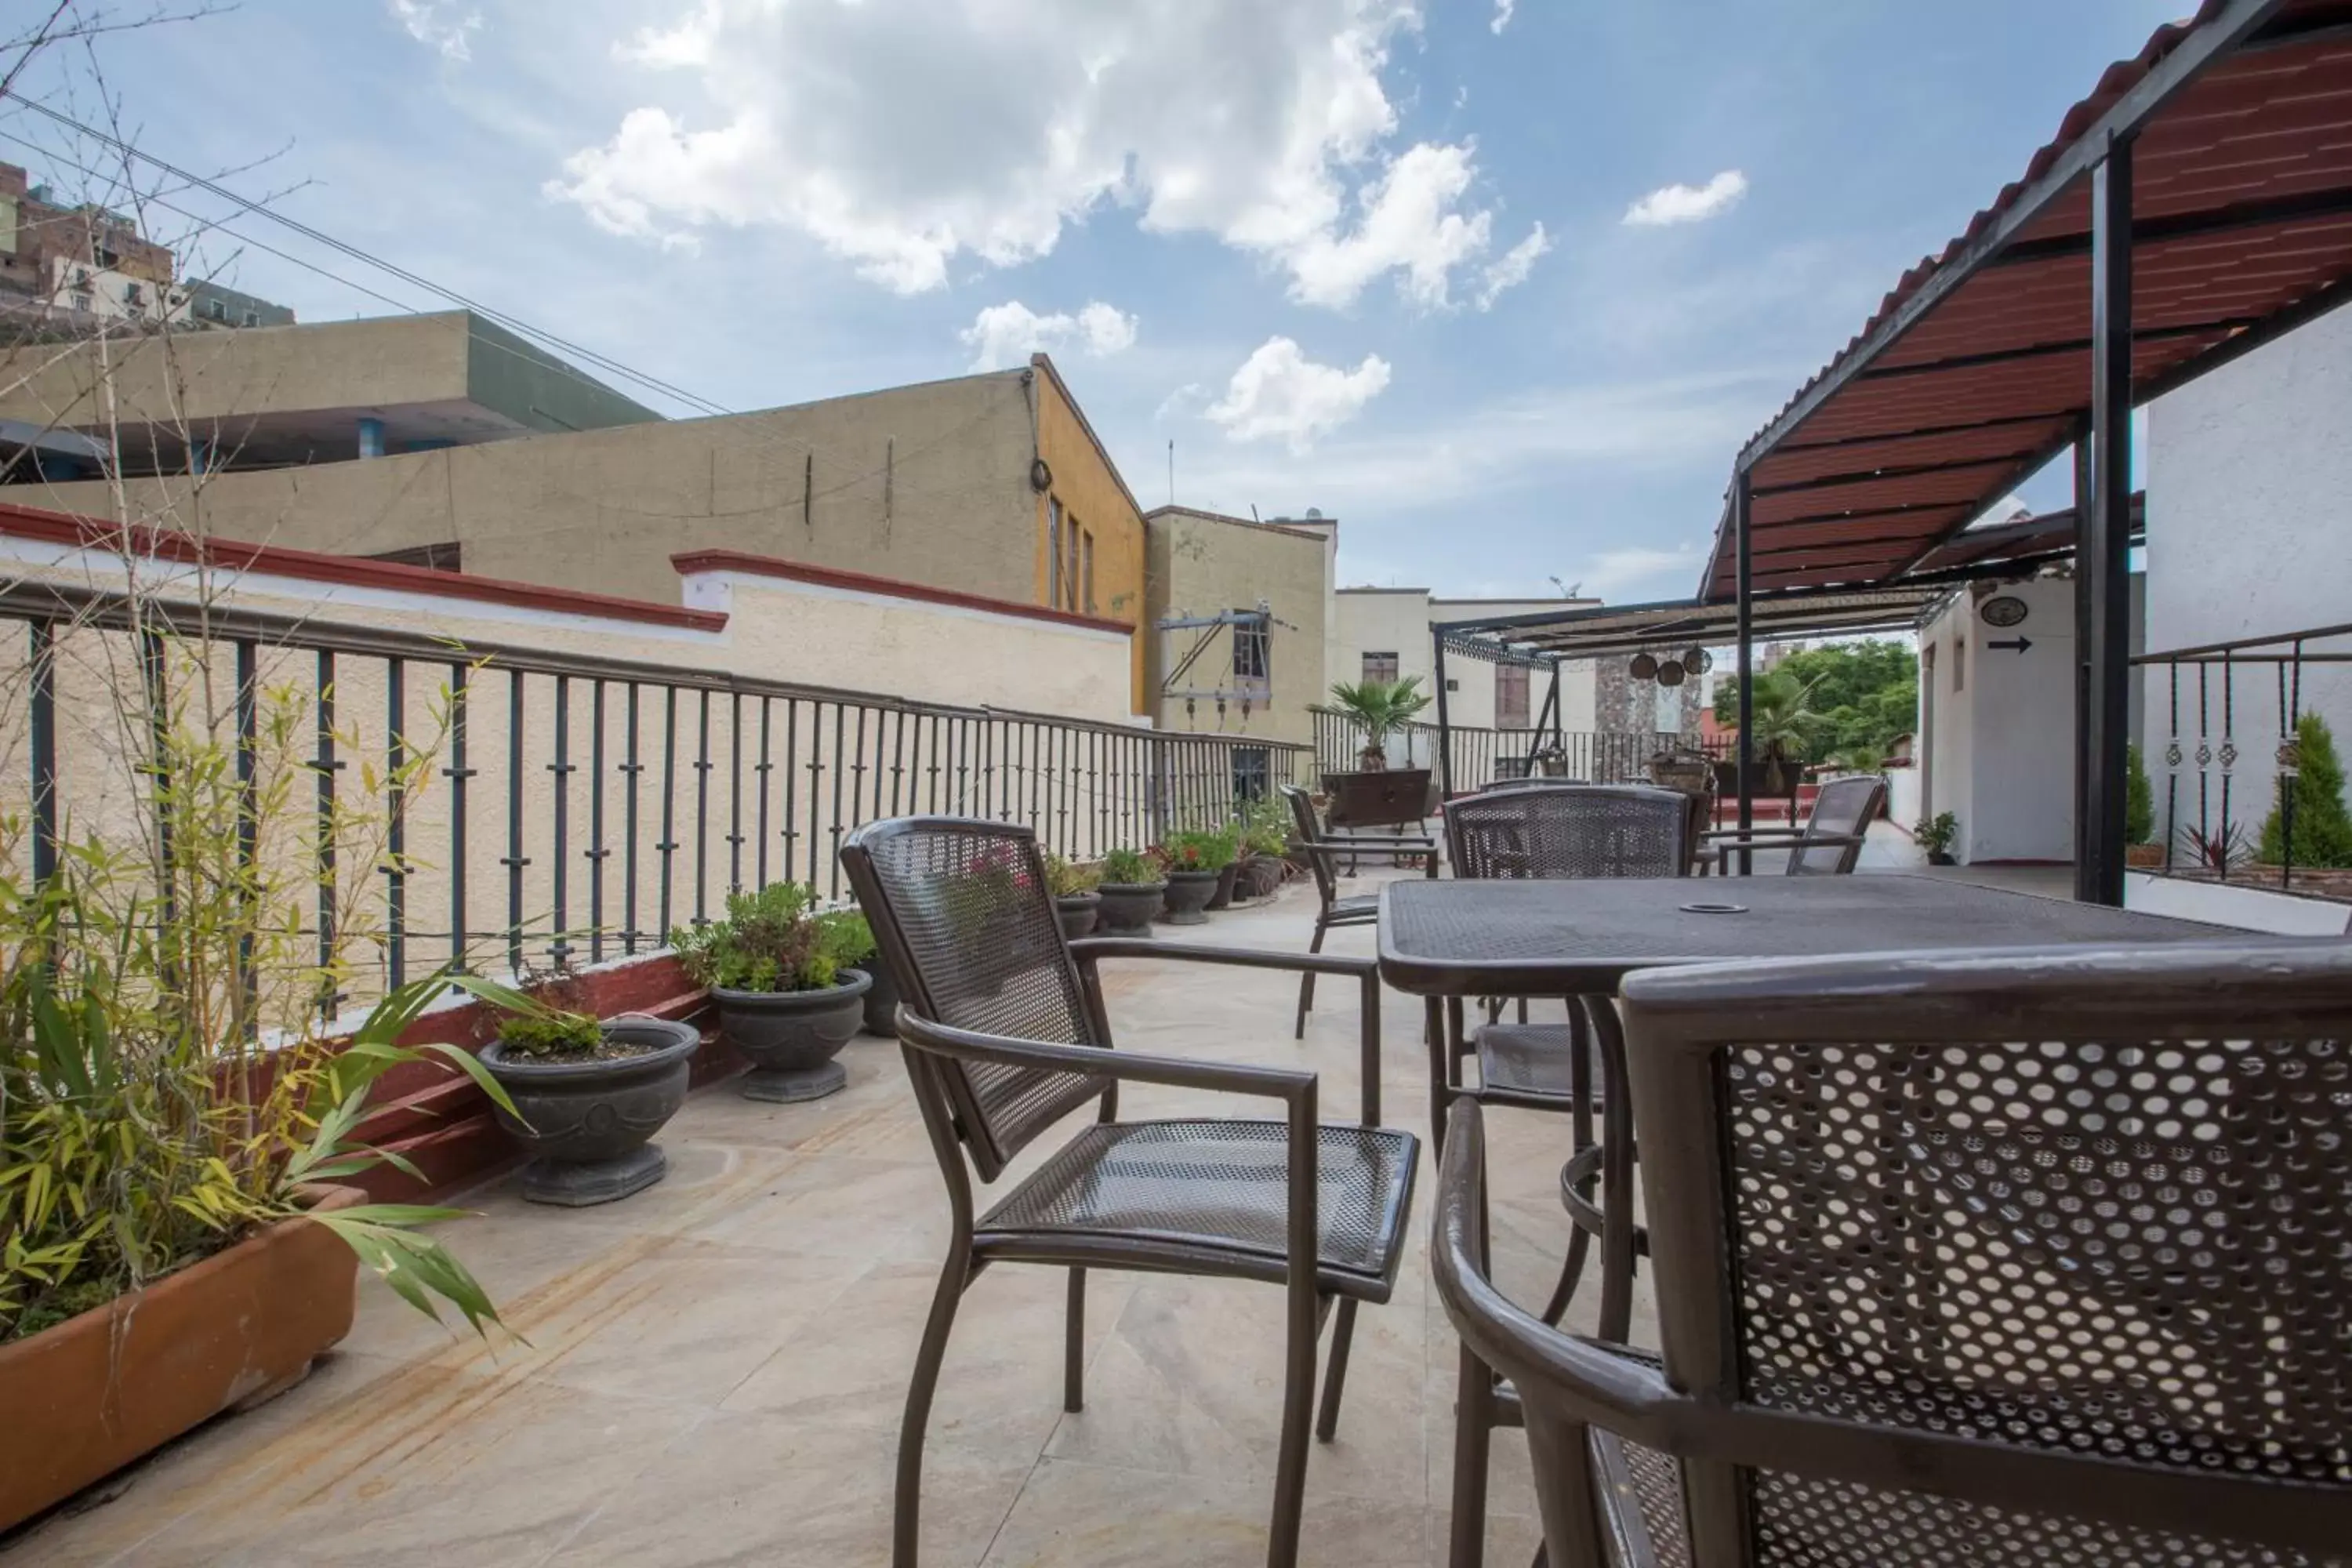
(786, 997)
(1190, 860)
(1224, 847)
(1076, 904)
(1131, 891)
(852, 940)
(1378, 707)
(2140, 848)
(1936, 835)
(1265, 838)
(588, 1095)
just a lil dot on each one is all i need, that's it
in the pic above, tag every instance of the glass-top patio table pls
(1578, 939)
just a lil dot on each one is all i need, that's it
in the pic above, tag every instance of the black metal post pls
(2083, 578)
(1445, 724)
(395, 865)
(514, 859)
(1742, 504)
(44, 740)
(2104, 553)
(598, 852)
(561, 769)
(457, 773)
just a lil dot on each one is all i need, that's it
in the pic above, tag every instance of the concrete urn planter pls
(1128, 909)
(1222, 897)
(881, 1009)
(92, 1394)
(792, 1037)
(1188, 897)
(589, 1125)
(1077, 914)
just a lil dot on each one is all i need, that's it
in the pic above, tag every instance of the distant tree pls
(2323, 829)
(2139, 798)
(1859, 696)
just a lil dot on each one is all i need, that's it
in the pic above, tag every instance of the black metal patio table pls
(1578, 939)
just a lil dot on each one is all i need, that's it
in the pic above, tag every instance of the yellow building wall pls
(1090, 491)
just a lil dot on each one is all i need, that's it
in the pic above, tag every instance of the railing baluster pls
(561, 770)
(735, 793)
(514, 859)
(326, 766)
(767, 765)
(667, 844)
(249, 839)
(631, 767)
(702, 809)
(43, 658)
(792, 752)
(395, 870)
(840, 727)
(457, 773)
(597, 852)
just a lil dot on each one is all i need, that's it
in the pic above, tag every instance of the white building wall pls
(2003, 742)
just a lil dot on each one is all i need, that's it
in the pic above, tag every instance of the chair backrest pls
(2020, 1204)
(963, 917)
(1309, 831)
(1537, 830)
(1843, 808)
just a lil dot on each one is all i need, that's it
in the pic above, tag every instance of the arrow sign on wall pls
(2019, 644)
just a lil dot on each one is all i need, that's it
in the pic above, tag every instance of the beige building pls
(1386, 634)
(442, 441)
(1237, 677)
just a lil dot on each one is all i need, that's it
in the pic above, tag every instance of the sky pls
(1502, 284)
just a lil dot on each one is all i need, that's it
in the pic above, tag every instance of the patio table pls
(1578, 939)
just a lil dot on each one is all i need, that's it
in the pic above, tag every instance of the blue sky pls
(1298, 237)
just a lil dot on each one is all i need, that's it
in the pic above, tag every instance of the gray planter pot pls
(792, 1037)
(1223, 897)
(881, 998)
(1077, 913)
(588, 1125)
(1261, 875)
(1128, 909)
(1188, 897)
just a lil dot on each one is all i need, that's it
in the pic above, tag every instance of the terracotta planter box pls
(96, 1391)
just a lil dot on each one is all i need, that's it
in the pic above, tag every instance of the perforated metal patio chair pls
(1323, 853)
(2019, 1259)
(1830, 843)
(1004, 1033)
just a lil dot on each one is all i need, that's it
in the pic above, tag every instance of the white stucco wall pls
(2003, 743)
(2249, 492)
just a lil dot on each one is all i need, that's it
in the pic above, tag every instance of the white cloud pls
(1009, 333)
(1503, 9)
(436, 25)
(1610, 574)
(1278, 391)
(1510, 269)
(887, 134)
(1688, 204)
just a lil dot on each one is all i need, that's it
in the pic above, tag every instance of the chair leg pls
(1306, 982)
(1297, 1419)
(1571, 1269)
(1474, 1430)
(905, 1524)
(1335, 1376)
(1074, 1355)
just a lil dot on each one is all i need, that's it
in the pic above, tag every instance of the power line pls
(513, 323)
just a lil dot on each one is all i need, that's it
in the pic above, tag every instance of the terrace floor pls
(715, 1367)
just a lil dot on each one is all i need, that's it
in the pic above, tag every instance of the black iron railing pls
(1480, 754)
(2225, 750)
(579, 807)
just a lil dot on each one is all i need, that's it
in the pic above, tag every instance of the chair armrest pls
(1755, 834)
(1089, 950)
(1365, 846)
(1289, 1085)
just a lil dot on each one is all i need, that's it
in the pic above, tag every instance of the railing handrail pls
(106, 610)
(2290, 640)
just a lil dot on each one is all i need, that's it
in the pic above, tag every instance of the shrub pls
(1200, 848)
(2322, 831)
(560, 1024)
(770, 941)
(2139, 798)
(1128, 867)
(1069, 879)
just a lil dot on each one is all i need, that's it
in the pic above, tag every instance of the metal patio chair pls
(2022, 1258)
(1536, 831)
(1829, 844)
(1003, 1030)
(1323, 853)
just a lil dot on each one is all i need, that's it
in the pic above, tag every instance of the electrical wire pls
(513, 323)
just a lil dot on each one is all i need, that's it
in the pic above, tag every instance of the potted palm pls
(1782, 726)
(588, 1095)
(1130, 893)
(1378, 709)
(1936, 835)
(1076, 904)
(1193, 860)
(786, 996)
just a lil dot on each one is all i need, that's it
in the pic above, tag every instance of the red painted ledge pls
(318, 566)
(692, 560)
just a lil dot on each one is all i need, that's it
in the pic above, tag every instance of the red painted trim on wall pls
(317, 566)
(692, 560)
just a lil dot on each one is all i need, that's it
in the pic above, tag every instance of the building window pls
(1070, 575)
(1253, 773)
(253, 317)
(1053, 551)
(1960, 665)
(1253, 665)
(1510, 697)
(447, 555)
(1380, 667)
(1087, 570)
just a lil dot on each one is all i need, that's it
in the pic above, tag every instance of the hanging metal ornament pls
(1699, 661)
(1671, 672)
(1644, 667)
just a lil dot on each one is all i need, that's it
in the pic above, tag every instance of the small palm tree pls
(1379, 707)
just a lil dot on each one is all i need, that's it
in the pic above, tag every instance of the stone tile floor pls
(715, 1367)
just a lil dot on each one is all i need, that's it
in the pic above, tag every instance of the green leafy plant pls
(848, 937)
(1129, 868)
(1266, 827)
(1937, 834)
(2139, 799)
(1862, 693)
(558, 1024)
(772, 940)
(1380, 708)
(1857, 759)
(1199, 848)
(2223, 851)
(2322, 830)
(1069, 879)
